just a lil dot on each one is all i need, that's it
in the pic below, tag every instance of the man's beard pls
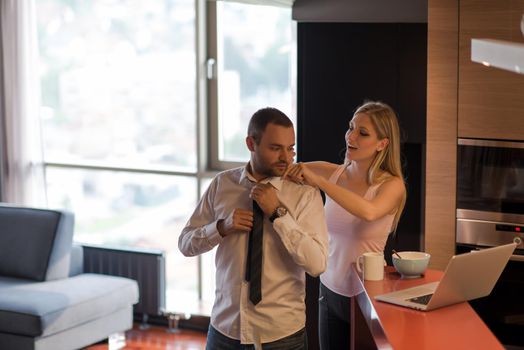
(273, 170)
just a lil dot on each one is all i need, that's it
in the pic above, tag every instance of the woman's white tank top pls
(350, 237)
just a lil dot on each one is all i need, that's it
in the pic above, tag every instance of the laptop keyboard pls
(423, 299)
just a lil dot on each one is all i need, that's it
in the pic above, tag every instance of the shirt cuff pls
(212, 233)
(288, 230)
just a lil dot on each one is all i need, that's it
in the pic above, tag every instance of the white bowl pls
(412, 264)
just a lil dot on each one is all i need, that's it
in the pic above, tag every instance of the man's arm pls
(201, 234)
(205, 229)
(304, 234)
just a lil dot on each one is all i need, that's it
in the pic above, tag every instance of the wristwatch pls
(278, 213)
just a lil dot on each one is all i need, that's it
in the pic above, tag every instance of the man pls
(271, 311)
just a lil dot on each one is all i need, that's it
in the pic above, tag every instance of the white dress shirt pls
(293, 244)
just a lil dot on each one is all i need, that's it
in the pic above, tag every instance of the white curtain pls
(21, 161)
(279, 3)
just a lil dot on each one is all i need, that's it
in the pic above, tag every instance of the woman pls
(365, 197)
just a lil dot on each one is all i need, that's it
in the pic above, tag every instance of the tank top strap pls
(338, 171)
(373, 188)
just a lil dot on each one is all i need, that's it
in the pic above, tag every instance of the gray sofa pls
(46, 302)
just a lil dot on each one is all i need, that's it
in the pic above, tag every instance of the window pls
(118, 81)
(255, 58)
(120, 120)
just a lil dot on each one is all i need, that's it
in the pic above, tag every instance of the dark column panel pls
(340, 65)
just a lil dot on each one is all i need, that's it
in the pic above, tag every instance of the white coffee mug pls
(371, 265)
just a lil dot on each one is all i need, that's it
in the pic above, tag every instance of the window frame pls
(212, 76)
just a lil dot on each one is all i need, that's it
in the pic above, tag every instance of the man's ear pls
(383, 144)
(250, 143)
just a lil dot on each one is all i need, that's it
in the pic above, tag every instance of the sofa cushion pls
(45, 308)
(35, 243)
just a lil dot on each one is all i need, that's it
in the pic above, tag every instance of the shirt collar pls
(275, 181)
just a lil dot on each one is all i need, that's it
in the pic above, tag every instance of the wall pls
(340, 65)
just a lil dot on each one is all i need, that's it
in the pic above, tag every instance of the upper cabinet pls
(490, 100)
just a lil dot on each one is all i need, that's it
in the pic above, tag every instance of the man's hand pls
(238, 221)
(266, 197)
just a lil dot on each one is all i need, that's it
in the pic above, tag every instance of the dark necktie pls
(254, 255)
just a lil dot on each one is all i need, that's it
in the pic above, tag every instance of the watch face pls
(281, 211)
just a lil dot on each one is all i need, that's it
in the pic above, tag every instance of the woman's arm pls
(386, 201)
(318, 168)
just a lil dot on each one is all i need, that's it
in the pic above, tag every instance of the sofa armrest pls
(76, 266)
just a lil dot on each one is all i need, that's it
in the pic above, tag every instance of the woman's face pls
(362, 142)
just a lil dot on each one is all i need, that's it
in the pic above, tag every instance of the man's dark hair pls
(263, 117)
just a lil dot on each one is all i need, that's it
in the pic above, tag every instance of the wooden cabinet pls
(441, 136)
(491, 100)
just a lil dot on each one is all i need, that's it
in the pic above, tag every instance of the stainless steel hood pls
(501, 54)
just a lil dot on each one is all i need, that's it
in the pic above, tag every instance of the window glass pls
(118, 81)
(134, 210)
(256, 68)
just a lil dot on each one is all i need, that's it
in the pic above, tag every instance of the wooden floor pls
(157, 338)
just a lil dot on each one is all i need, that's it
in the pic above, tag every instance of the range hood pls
(501, 54)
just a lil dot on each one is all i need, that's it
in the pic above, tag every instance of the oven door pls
(490, 179)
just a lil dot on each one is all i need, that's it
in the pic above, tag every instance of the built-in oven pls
(490, 212)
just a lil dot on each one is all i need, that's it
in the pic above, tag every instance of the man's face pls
(274, 153)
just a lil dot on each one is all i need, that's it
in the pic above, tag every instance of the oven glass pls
(490, 176)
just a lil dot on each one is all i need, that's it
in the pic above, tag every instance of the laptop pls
(468, 276)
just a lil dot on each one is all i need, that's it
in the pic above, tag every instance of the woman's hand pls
(300, 173)
(294, 173)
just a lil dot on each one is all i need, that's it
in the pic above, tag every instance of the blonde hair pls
(385, 122)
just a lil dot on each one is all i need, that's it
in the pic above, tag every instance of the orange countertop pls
(395, 327)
